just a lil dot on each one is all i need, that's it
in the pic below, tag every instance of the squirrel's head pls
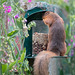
(50, 17)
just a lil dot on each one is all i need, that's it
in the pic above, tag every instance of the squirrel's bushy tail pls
(41, 62)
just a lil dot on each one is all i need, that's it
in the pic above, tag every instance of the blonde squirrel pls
(56, 43)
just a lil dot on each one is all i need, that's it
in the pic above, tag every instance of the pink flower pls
(7, 8)
(5, 61)
(29, 1)
(5, 11)
(71, 40)
(72, 52)
(4, 6)
(8, 19)
(74, 45)
(16, 16)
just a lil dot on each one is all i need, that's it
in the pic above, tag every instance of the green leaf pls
(24, 50)
(68, 49)
(21, 9)
(67, 8)
(4, 67)
(19, 23)
(1, 8)
(22, 57)
(3, 1)
(17, 55)
(12, 33)
(12, 37)
(11, 65)
(68, 35)
(61, 72)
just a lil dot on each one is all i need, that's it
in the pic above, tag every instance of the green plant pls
(12, 36)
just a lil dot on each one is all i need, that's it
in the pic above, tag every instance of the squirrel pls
(56, 43)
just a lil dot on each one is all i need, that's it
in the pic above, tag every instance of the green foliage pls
(67, 30)
(17, 61)
(12, 33)
(2, 1)
(11, 65)
(31, 24)
(4, 67)
(1, 53)
(7, 67)
(12, 39)
(68, 49)
(23, 55)
(19, 23)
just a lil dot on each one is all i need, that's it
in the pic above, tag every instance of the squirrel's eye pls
(47, 13)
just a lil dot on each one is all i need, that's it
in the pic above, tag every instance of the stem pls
(16, 47)
(3, 26)
(0, 69)
(0, 38)
(70, 26)
(22, 41)
(7, 22)
(12, 50)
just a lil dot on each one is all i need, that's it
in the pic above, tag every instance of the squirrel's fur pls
(56, 43)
